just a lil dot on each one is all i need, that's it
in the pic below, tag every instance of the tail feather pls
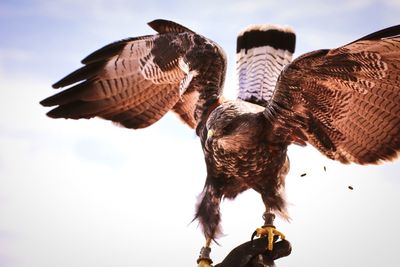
(262, 53)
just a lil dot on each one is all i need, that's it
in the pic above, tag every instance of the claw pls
(271, 232)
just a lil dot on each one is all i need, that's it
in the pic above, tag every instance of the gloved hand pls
(254, 254)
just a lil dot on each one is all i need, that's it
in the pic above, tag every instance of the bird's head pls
(231, 125)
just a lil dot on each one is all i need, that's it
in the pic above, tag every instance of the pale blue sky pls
(86, 193)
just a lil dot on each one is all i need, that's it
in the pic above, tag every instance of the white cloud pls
(13, 54)
(392, 3)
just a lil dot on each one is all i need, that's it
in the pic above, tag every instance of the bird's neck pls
(216, 103)
(208, 108)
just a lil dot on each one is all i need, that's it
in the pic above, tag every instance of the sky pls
(88, 193)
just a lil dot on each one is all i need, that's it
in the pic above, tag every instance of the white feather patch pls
(190, 74)
(151, 71)
(258, 70)
(266, 27)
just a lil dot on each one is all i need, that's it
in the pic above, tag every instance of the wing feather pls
(111, 50)
(135, 81)
(346, 101)
(186, 108)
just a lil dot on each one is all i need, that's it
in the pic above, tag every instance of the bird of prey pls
(343, 101)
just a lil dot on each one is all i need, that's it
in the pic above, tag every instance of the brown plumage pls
(134, 82)
(344, 101)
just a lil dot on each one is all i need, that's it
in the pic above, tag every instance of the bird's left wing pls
(262, 51)
(134, 82)
(344, 101)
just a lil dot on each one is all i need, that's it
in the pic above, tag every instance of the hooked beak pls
(210, 133)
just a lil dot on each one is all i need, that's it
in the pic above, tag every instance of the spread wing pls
(262, 52)
(134, 82)
(344, 101)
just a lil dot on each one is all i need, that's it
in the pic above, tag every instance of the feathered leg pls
(274, 200)
(209, 217)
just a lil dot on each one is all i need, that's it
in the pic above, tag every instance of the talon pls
(271, 232)
(253, 235)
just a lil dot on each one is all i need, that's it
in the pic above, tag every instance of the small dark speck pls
(303, 174)
(350, 187)
(324, 168)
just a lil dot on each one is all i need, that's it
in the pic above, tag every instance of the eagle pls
(343, 101)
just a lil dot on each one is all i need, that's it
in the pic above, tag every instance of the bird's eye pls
(228, 129)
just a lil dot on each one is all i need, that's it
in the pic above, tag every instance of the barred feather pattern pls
(262, 53)
(258, 71)
(346, 100)
(134, 82)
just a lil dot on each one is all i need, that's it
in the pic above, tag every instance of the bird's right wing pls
(134, 82)
(343, 101)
